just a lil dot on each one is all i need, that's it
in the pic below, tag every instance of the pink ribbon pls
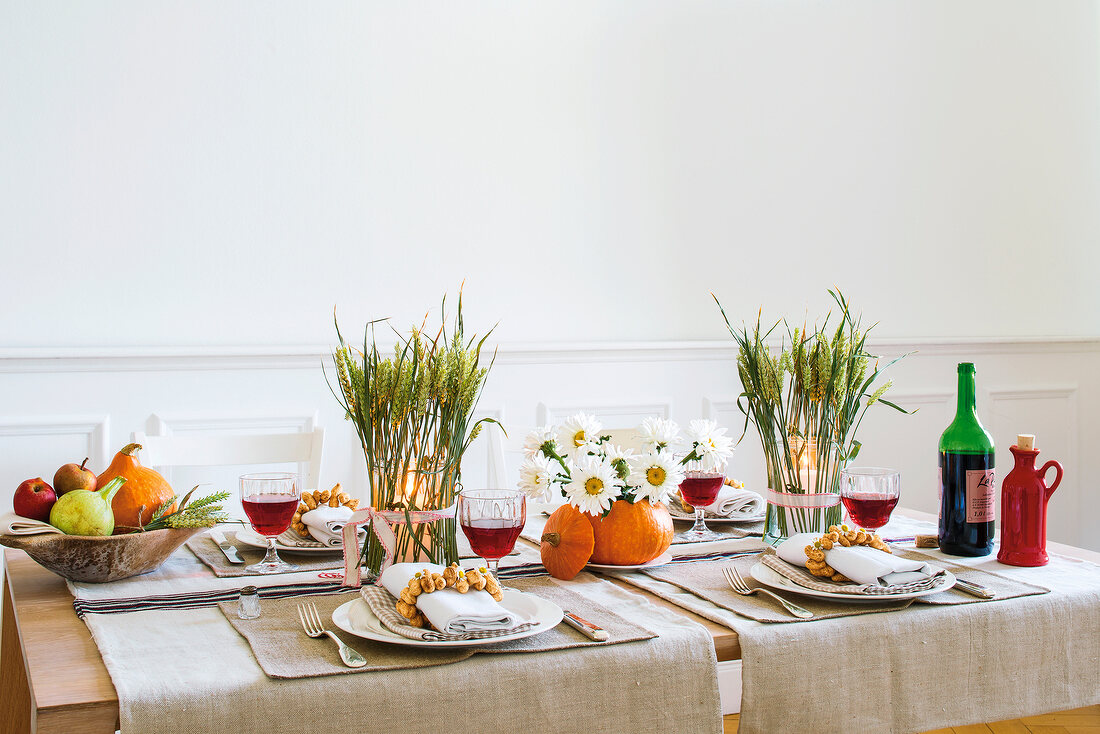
(809, 500)
(380, 521)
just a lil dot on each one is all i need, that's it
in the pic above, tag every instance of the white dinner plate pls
(250, 537)
(768, 577)
(658, 561)
(356, 618)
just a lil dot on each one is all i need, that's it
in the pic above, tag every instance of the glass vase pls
(803, 495)
(409, 491)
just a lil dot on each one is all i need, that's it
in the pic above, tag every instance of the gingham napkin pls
(804, 578)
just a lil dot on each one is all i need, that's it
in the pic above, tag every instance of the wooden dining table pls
(54, 679)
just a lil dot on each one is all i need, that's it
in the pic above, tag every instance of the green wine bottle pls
(967, 487)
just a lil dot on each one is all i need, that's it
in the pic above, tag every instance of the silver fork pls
(737, 583)
(311, 623)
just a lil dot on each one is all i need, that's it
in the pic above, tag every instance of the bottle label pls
(979, 495)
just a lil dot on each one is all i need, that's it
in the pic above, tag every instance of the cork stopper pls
(1025, 442)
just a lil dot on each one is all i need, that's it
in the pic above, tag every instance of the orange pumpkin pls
(631, 534)
(567, 542)
(144, 487)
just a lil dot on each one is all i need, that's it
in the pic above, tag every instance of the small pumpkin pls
(144, 487)
(567, 542)
(631, 534)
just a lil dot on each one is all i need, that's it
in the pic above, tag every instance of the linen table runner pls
(190, 671)
(949, 660)
(283, 651)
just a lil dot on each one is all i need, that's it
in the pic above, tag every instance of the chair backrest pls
(240, 450)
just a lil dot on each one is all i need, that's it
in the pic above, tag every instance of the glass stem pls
(699, 526)
(272, 554)
(493, 564)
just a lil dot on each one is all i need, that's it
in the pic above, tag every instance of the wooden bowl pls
(101, 559)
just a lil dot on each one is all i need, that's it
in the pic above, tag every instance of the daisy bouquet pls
(592, 472)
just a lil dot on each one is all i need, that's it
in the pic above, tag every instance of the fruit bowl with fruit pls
(123, 523)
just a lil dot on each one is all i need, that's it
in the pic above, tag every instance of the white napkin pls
(859, 563)
(326, 523)
(733, 502)
(449, 611)
(12, 524)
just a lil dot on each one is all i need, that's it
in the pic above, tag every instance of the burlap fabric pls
(207, 551)
(190, 671)
(283, 651)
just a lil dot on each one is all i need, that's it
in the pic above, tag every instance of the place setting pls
(282, 518)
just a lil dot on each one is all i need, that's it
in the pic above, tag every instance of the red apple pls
(34, 499)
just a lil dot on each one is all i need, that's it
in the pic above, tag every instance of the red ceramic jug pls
(1024, 497)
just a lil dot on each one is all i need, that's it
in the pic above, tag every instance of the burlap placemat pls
(284, 651)
(210, 554)
(1002, 586)
(705, 580)
(728, 531)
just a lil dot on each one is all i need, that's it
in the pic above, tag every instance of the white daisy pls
(577, 436)
(536, 439)
(619, 458)
(594, 486)
(534, 476)
(710, 443)
(658, 434)
(655, 475)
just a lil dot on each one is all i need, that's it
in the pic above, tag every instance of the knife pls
(974, 589)
(586, 628)
(228, 548)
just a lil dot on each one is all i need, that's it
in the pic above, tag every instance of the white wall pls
(188, 188)
(224, 173)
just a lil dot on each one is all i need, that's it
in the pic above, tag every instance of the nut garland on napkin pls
(843, 536)
(425, 582)
(312, 500)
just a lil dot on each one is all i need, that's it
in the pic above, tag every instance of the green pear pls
(86, 513)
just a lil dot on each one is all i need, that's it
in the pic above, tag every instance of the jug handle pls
(1057, 476)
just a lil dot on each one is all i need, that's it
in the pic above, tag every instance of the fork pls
(311, 623)
(737, 583)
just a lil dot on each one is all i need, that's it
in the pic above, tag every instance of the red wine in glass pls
(269, 514)
(701, 491)
(491, 520)
(492, 539)
(870, 511)
(269, 499)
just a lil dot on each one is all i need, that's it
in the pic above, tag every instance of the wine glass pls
(491, 520)
(699, 489)
(870, 494)
(270, 499)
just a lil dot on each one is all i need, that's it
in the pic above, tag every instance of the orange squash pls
(631, 534)
(144, 487)
(567, 542)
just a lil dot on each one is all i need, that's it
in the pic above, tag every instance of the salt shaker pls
(249, 605)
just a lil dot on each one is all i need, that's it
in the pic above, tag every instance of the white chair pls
(303, 449)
